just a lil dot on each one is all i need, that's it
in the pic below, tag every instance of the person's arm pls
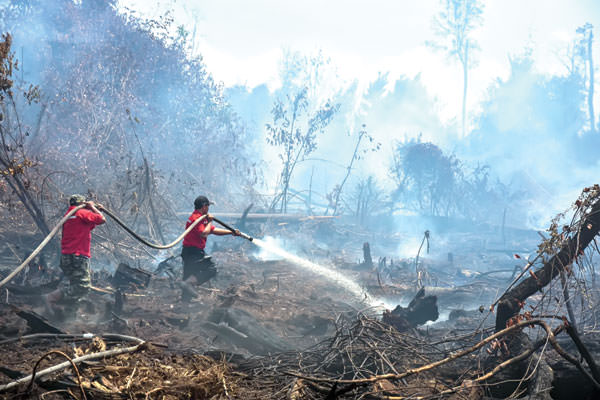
(209, 227)
(223, 232)
(95, 208)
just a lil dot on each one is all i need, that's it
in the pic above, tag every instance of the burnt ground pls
(270, 329)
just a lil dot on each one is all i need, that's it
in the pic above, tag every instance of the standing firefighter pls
(75, 254)
(195, 261)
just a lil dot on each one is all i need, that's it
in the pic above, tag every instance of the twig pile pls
(138, 372)
(360, 349)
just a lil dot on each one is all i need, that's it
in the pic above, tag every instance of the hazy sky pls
(241, 40)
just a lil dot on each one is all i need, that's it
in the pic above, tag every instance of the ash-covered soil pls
(263, 324)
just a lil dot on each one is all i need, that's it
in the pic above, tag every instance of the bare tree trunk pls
(312, 171)
(508, 306)
(285, 196)
(465, 85)
(565, 288)
(591, 83)
(149, 187)
(348, 170)
(367, 255)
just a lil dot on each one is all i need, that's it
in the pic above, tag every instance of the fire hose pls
(166, 246)
(147, 243)
(41, 245)
(122, 224)
(242, 234)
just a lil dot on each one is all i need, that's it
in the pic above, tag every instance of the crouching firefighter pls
(75, 257)
(196, 264)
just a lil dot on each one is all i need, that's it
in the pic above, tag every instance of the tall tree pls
(583, 49)
(453, 25)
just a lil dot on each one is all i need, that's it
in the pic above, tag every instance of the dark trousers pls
(198, 264)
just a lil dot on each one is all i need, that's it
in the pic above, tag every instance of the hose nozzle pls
(247, 237)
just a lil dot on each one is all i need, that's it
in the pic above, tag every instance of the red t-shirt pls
(77, 232)
(194, 238)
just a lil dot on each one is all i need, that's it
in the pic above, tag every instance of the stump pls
(420, 310)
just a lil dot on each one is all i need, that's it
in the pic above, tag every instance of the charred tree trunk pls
(508, 306)
(242, 221)
(420, 310)
(367, 255)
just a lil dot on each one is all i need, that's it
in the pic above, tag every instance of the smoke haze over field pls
(526, 116)
(198, 96)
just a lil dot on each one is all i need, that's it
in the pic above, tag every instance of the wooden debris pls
(242, 329)
(420, 310)
(36, 323)
(127, 277)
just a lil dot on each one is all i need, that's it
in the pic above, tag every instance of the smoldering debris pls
(266, 329)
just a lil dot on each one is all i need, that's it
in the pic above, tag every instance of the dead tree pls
(15, 158)
(368, 263)
(510, 303)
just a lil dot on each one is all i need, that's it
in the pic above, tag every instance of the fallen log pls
(510, 302)
(34, 290)
(36, 323)
(93, 356)
(275, 217)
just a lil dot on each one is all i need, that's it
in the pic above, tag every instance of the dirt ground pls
(265, 329)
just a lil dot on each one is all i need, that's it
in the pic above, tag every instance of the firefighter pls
(75, 256)
(196, 263)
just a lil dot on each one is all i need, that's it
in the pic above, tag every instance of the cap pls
(201, 201)
(76, 199)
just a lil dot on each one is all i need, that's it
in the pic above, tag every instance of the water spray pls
(328, 273)
(331, 274)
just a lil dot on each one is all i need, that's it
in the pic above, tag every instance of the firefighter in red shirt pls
(195, 261)
(75, 253)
